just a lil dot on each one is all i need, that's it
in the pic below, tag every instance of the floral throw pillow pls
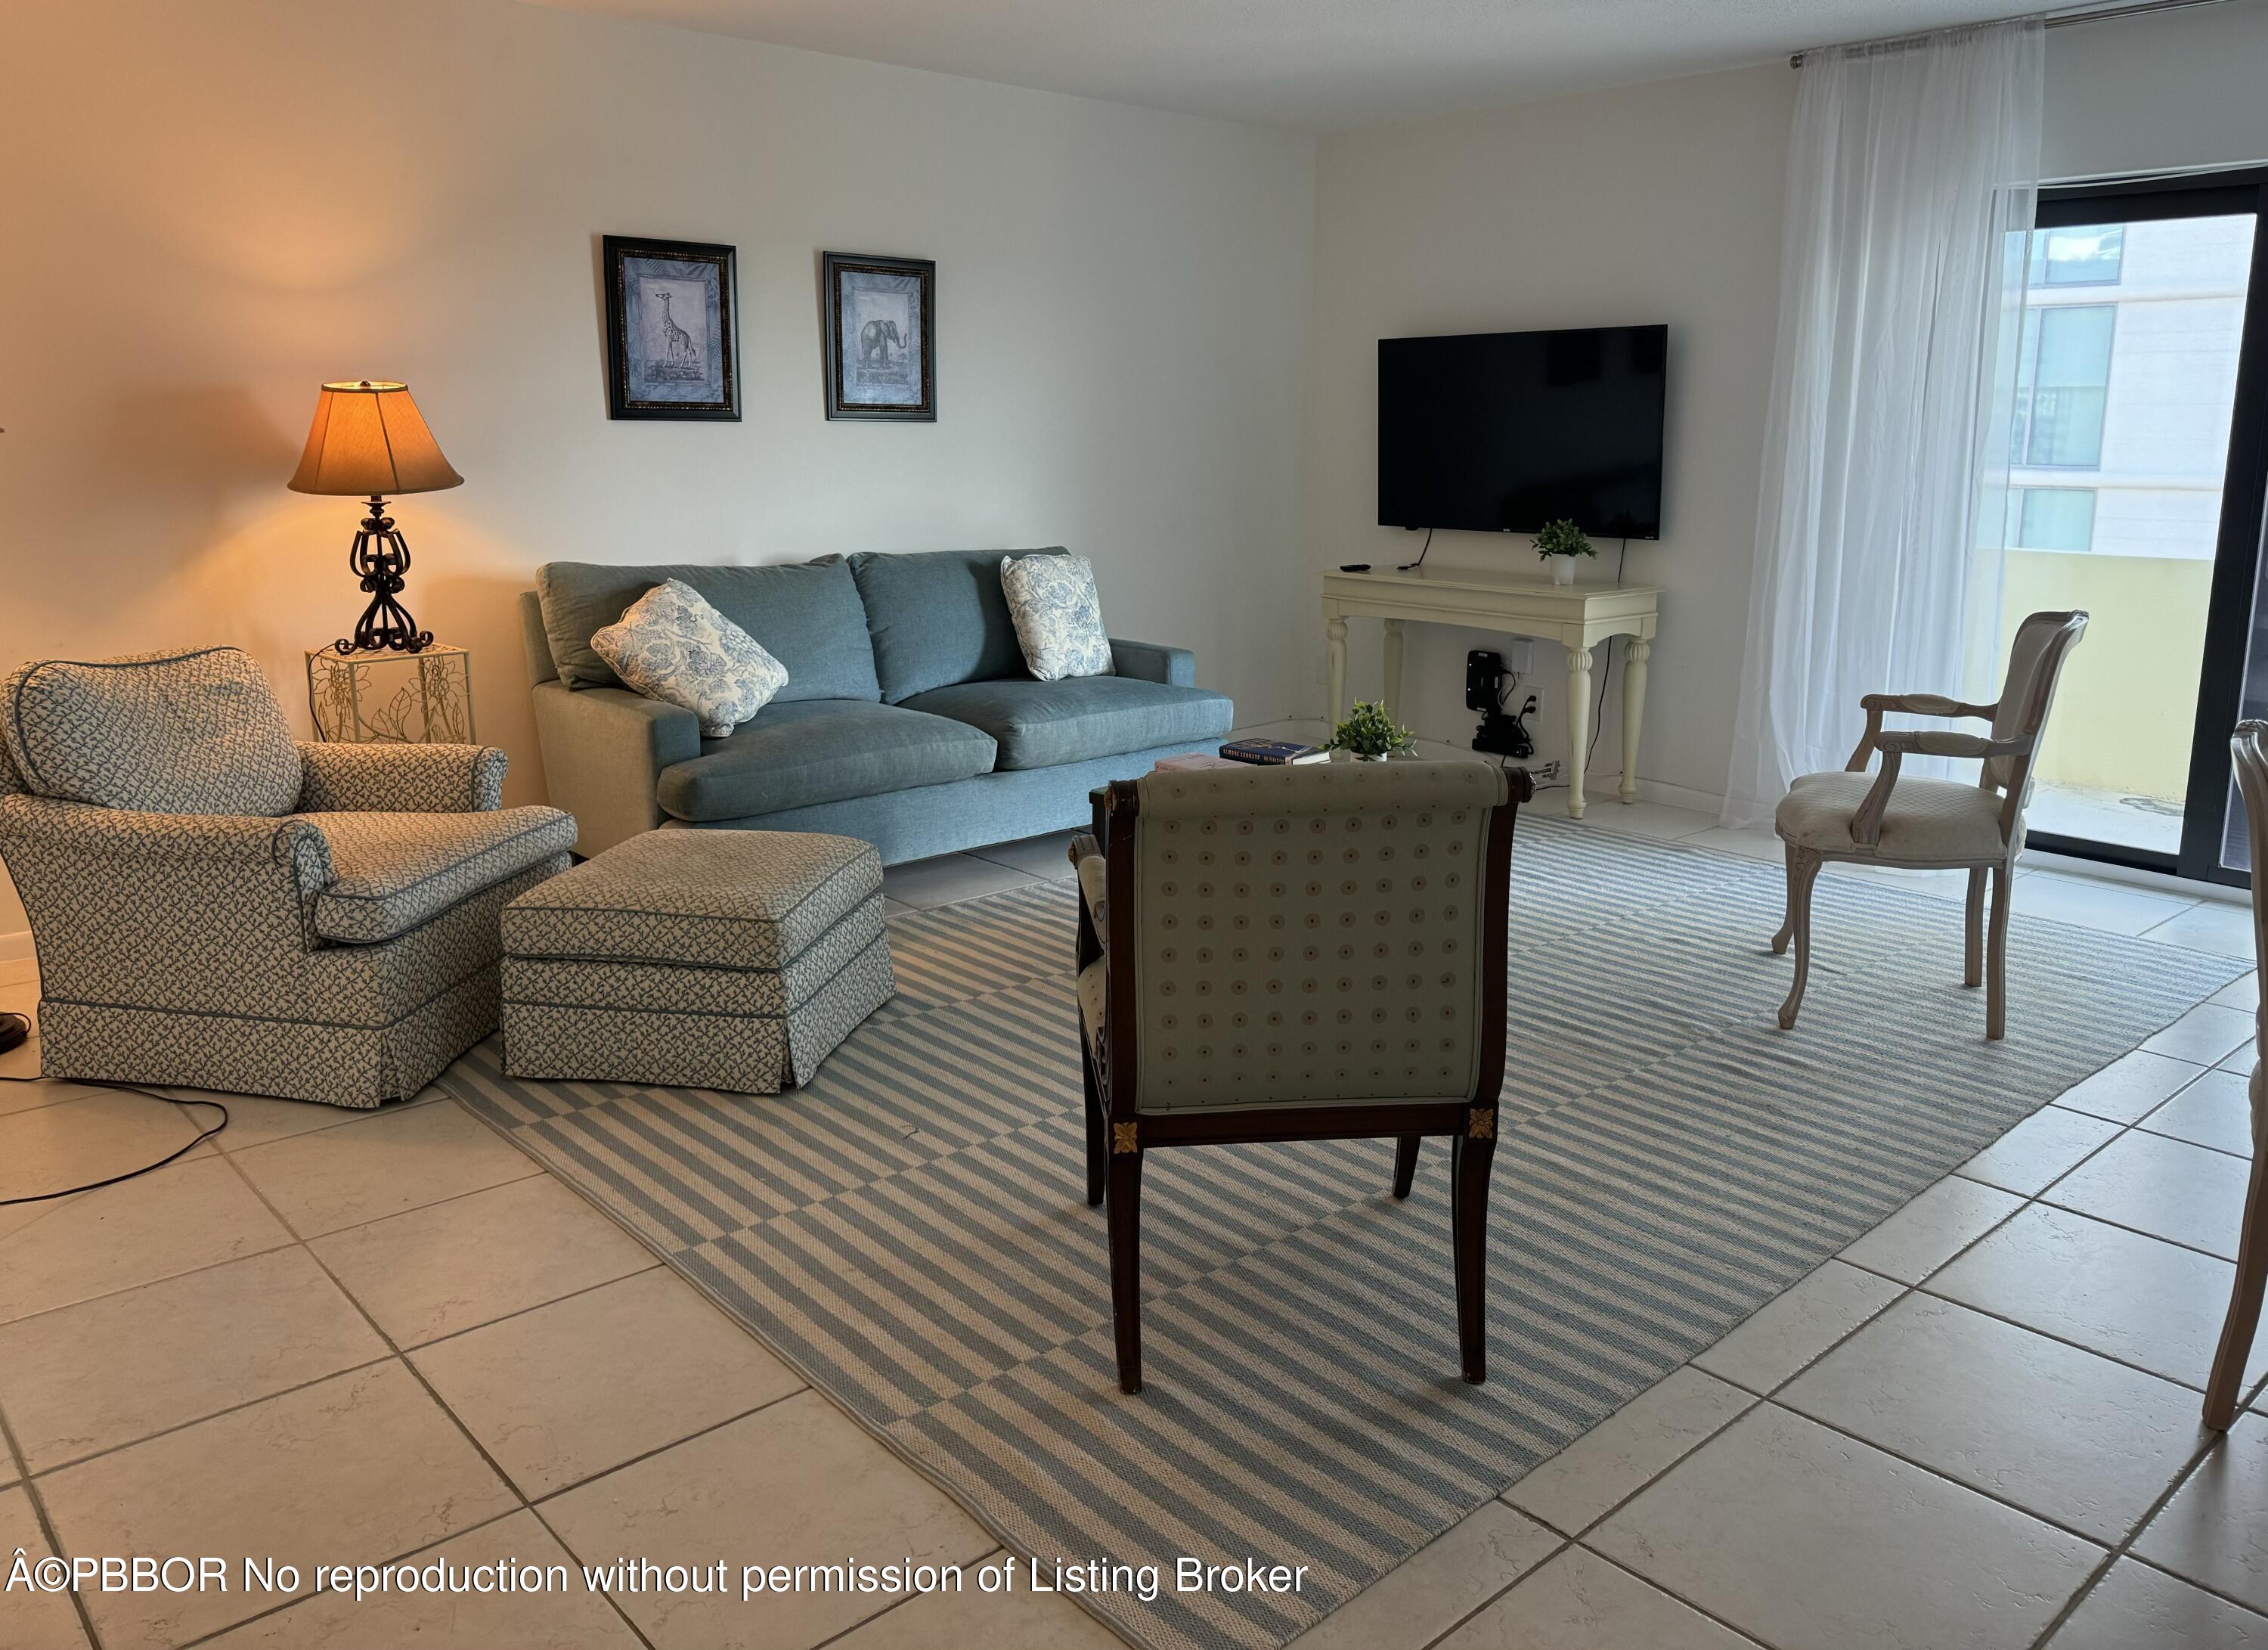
(1058, 615)
(671, 644)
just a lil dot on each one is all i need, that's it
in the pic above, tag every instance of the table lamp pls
(369, 439)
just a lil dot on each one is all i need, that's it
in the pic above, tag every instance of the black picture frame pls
(662, 364)
(875, 298)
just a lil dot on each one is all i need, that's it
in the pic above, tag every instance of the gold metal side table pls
(392, 699)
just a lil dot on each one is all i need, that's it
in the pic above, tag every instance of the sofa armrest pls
(201, 913)
(1930, 742)
(35, 823)
(604, 749)
(1152, 661)
(1876, 704)
(401, 779)
(1925, 704)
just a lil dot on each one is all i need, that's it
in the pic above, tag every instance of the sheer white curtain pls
(1912, 165)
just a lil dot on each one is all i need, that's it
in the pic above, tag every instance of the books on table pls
(1195, 761)
(1273, 753)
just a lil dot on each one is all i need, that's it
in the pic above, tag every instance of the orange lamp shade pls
(369, 440)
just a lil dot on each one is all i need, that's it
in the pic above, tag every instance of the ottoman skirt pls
(762, 952)
(549, 1035)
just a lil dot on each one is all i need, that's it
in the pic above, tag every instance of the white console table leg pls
(1335, 655)
(1394, 670)
(1634, 657)
(1579, 724)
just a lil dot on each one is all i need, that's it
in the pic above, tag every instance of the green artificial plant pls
(1561, 538)
(1369, 732)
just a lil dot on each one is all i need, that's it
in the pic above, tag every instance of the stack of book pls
(1273, 753)
(1194, 762)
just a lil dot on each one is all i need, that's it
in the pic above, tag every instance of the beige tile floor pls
(335, 1337)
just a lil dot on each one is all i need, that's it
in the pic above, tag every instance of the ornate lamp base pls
(379, 558)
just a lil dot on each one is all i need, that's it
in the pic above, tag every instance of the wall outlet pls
(1544, 772)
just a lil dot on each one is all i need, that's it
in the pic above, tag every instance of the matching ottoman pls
(728, 959)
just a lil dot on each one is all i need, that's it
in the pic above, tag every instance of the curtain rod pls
(2054, 20)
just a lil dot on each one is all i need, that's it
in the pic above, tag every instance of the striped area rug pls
(911, 1231)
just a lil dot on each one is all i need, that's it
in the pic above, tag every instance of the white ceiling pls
(1318, 65)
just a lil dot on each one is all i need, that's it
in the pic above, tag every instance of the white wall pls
(212, 207)
(1649, 204)
(2169, 89)
(1657, 202)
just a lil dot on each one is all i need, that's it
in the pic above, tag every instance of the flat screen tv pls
(1503, 432)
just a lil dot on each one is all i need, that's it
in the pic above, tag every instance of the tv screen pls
(1503, 432)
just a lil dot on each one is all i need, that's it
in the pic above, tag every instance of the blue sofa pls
(908, 720)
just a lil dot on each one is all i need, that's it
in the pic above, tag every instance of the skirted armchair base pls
(357, 1059)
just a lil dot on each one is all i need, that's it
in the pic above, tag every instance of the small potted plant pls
(1560, 543)
(1370, 733)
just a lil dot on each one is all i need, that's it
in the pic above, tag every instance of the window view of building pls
(2126, 377)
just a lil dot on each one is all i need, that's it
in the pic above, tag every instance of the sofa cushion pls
(1058, 615)
(1042, 724)
(698, 899)
(675, 646)
(937, 618)
(793, 756)
(393, 872)
(806, 615)
(170, 733)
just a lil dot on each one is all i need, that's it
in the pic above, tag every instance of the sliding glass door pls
(2138, 453)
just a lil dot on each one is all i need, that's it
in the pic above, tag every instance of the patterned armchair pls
(215, 905)
(1296, 953)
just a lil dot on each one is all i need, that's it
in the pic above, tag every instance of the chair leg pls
(1996, 956)
(1405, 1163)
(2227, 1385)
(1469, 1161)
(1098, 1133)
(1972, 933)
(1787, 923)
(1126, 1195)
(1802, 874)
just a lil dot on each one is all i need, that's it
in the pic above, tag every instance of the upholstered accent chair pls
(1296, 953)
(1932, 824)
(216, 905)
(2248, 749)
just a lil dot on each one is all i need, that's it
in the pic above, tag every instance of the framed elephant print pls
(673, 329)
(880, 318)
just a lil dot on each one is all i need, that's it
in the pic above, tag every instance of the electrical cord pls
(14, 1030)
(1606, 674)
(1403, 567)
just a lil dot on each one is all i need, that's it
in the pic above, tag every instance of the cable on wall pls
(1599, 710)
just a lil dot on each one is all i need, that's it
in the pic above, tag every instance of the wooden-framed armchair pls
(1932, 824)
(1296, 953)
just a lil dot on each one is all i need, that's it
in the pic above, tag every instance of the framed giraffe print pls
(673, 329)
(881, 316)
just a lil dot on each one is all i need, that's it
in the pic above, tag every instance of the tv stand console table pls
(1578, 617)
